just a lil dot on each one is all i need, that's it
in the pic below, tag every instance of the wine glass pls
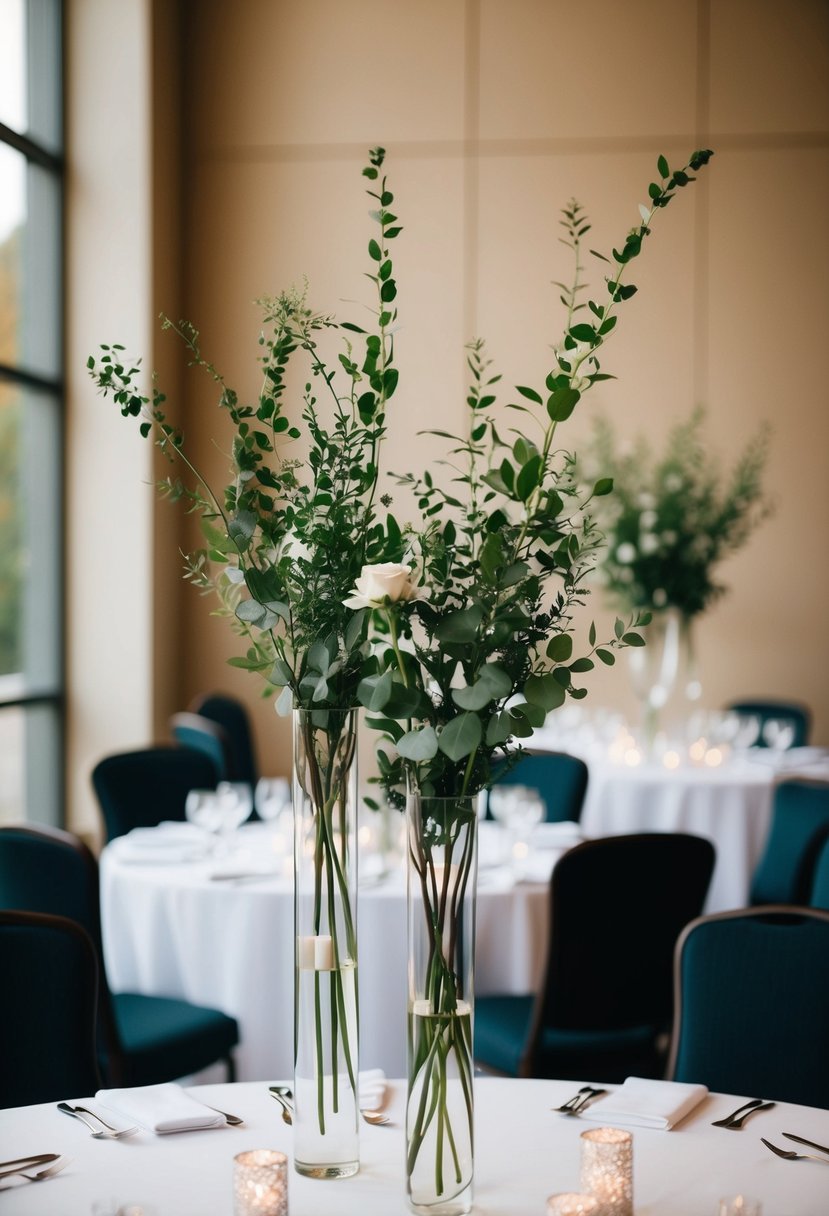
(201, 808)
(518, 809)
(235, 804)
(779, 734)
(748, 730)
(272, 796)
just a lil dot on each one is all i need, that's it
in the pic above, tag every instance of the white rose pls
(648, 543)
(382, 584)
(626, 553)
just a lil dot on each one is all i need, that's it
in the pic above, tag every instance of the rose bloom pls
(383, 584)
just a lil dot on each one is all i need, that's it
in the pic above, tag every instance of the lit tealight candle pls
(607, 1169)
(697, 750)
(260, 1183)
(568, 1203)
(671, 759)
(713, 757)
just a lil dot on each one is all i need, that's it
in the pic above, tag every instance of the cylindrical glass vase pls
(441, 880)
(326, 1109)
(665, 677)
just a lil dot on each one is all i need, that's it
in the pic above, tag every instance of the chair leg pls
(231, 1067)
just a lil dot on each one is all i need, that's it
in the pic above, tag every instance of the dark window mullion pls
(18, 375)
(31, 150)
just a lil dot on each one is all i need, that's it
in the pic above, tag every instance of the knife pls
(809, 1143)
(33, 1159)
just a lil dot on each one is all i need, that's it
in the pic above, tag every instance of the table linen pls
(524, 1152)
(642, 1102)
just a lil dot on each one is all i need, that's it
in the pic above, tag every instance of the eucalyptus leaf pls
(460, 736)
(419, 745)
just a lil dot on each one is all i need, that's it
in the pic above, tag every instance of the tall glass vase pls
(326, 1111)
(441, 881)
(665, 677)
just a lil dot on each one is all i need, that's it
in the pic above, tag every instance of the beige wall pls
(494, 113)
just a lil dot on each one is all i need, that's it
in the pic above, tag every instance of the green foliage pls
(287, 539)
(672, 518)
(505, 547)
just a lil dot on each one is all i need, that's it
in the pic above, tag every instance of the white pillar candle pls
(315, 953)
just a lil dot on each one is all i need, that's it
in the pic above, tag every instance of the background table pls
(524, 1152)
(170, 929)
(730, 804)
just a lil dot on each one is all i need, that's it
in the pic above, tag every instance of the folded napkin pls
(160, 1108)
(169, 842)
(644, 1103)
(372, 1088)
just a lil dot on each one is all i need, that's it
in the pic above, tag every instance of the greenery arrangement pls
(479, 660)
(673, 518)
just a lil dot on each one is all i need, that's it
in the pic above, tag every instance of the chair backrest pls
(799, 825)
(752, 1004)
(232, 716)
(146, 787)
(48, 1010)
(820, 879)
(764, 708)
(561, 780)
(618, 905)
(202, 735)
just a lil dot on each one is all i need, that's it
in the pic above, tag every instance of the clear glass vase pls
(441, 881)
(326, 1109)
(665, 678)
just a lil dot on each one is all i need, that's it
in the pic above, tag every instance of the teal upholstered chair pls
(47, 1014)
(764, 708)
(142, 1040)
(232, 716)
(799, 826)
(146, 787)
(617, 906)
(752, 1004)
(203, 735)
(561, 780)
(820, 879)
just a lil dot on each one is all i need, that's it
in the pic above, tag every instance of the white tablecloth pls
(729, 804)
(169, 929)
(524, 1152)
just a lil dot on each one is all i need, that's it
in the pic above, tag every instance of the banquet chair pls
(47, 1015)
(146, 787)
(232, 716)
(617, 907)
(795, 712)
(820, 881)
(752, 1004)
(142, 1040)
(799, 826)
(561, 781)
(202, 735)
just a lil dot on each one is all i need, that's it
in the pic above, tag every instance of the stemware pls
(518, 809)
(272, 796)
(778, 733)
(747, 731)
(201, 808)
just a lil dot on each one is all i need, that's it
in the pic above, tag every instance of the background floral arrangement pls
(673, 518)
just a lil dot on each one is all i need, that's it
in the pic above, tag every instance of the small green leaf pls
(633, 639)
(603, 486)
(591, 637)
(374, 691)
(583, 333)
(419, 744)
(560, 648)
(544, 691)
(460, 736)
(606, 656)
(528, 478)
(499, 728)
(562, 403)
(662, 167)
(374, 251)
(460, 626)
(582, 665)
(530, 394)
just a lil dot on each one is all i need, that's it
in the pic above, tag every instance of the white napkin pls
(169, 842)
(372, 1087)
(641, 1102)
(160, 1108)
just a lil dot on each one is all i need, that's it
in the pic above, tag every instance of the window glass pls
(13, 64)
(29, 763)
(30, 69)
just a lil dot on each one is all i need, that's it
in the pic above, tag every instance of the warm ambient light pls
(260, 1183)
(671, 759)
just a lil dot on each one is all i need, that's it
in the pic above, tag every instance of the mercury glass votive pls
(260, 1183)
(607, 1169)
(571, 1204)
(740, 1205)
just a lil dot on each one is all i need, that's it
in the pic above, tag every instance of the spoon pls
(375, 1117)
(286, 1110)
(108, 1132)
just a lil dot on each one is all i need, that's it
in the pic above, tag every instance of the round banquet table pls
(524, 1153)
(729, 803)
(221, 935)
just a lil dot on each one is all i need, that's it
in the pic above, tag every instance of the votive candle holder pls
(607, 1169)
(740, 1205)
(569, 1203)
(260, 1183)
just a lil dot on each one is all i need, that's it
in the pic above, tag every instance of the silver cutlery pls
(287, 1116)
(792, 1156)
(809, 1143)
(375, 1117)
(32, 1160)
(106, 1131)
(579, 1101)
(232, 1120)
(36, 1173)
(736, 1119)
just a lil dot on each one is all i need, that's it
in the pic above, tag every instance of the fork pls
(108, 1132)
(792, 1156)
(578, 1101)
(735, 1121)
(36, 1173)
